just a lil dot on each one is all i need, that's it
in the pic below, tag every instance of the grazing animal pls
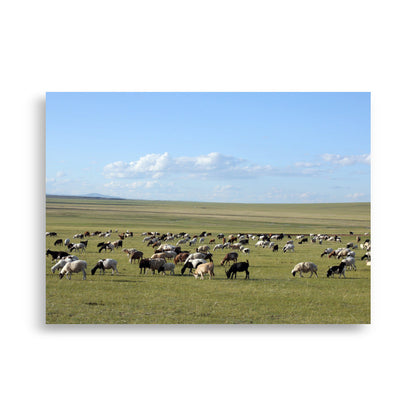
(344, 253)
(203, 269)
(77, 247)
(218, 246)
(233, 256)
(181, 258)
(135, 255)
(192, 264)
(238, 267)
(58, 242)
(340, 270)
(104, 264)
(167, 267)
(155, 264)
(51, 234)
(327, 251)
(56, 254)
(106, 246)
(143, 265)
(74, 267)
(350, 262)
(305, 267)
(288, 247)
(366, 256)
(202, 249)
(275, 248)
(61, 263)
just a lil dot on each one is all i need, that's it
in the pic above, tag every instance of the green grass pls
(271, 295)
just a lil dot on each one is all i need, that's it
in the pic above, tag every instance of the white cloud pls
(347, 160)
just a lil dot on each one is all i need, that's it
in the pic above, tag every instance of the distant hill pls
(92, 195)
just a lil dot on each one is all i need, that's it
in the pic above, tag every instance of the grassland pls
(271, 296)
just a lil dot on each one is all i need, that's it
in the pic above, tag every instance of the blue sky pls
(223, 147)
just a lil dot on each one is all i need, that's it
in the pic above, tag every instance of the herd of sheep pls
(167, 254)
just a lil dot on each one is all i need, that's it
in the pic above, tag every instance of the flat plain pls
(271, 295)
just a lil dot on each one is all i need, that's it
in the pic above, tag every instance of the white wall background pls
(206, 46)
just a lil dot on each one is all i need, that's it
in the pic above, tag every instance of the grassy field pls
(271, 296)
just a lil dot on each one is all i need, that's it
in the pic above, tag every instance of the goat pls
(205, 268)
(58, 242)
(143, 265)
(74, 267)
(233, 256)
(104, 264)
(135, 255)
(106, 246)
(56, 254)
(238, 267)
(340, 270)
(181, 258)
(305, 267)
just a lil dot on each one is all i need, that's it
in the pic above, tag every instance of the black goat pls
(238, 267)
(58, 242)
(336, 270)
(56, 254)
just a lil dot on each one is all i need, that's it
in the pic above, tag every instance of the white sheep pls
(218, 246)
(74, 267)
(349, 262)
(288, 247)
(104, 264)
(305, 267)
(61, 263)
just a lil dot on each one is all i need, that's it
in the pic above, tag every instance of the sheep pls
(155, 264)
(181, 258)
(105, 264)
(343, 253)
(340, 270)
(233, 256)
(203, 249)
(349, 262)
(74, 267)
(77, 247)
(238, 267)
(167, 267)
(305, 267)
(61, 263)
(327, 251)
(199, 256)
(202, 269)
(288, 247)
(66, 242)
(191, 264)
(58, 242)
(218, 246)
(245, 250)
